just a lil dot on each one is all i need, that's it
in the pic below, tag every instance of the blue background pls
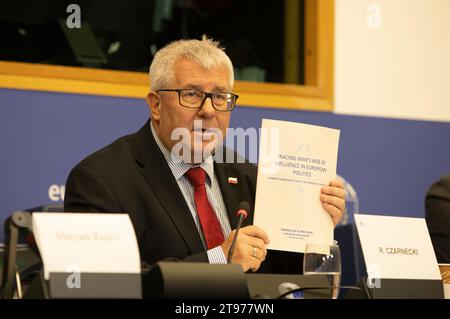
(391, 163)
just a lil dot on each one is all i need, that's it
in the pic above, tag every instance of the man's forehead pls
(217, 88)
(192, 75)
(183, 64)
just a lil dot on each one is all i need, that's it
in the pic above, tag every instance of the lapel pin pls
(232, 180)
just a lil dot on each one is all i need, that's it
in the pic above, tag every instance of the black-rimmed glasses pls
(192, 98)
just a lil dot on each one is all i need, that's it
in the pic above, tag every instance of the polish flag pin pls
(232, 180)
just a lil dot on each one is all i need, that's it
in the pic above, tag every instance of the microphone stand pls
(13, 225)
(233, 244)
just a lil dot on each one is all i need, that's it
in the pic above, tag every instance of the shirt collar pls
(179, 168)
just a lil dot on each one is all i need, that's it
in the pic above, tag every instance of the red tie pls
(208, 219)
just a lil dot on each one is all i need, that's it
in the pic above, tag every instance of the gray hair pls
(204, 52)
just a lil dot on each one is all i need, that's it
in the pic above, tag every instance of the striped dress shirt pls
(179, 168)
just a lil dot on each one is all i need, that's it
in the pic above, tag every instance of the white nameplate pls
(90, 243)
(397, 247)
(295, 161)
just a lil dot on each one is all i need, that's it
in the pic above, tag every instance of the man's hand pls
(250, 250)
(333, 200)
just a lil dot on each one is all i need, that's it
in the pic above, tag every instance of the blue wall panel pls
(43, 135)
(391, 163)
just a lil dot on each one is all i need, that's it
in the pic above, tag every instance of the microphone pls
(242, 212)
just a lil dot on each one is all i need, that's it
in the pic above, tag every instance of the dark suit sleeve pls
(437, 204)
(87, 192)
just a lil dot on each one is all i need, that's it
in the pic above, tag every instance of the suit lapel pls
(159, 177)
(231, 192)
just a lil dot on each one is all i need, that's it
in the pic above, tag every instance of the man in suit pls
(180, 200)
(437, 204)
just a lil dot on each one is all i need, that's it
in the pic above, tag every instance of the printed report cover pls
(295, 161)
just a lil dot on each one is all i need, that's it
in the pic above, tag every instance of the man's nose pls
(207, 109)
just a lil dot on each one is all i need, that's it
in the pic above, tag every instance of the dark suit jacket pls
(131, 175)
(437, 204)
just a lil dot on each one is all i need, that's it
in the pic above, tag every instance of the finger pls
(248, 261)
(257, 252)
(334, 212)
(333, 191)
(258, 244)
(337, 183)
(244, 256)
(261, 253)
(255, 242)
(254, 264)
(255, 231)
(254, 249)
(254, 269)
(333, 200)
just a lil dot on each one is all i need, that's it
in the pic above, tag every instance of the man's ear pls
(154, 103)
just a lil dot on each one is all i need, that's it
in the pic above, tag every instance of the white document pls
(295, 161)
(397, 247)
(92, 243)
